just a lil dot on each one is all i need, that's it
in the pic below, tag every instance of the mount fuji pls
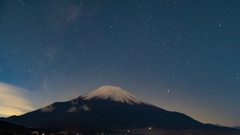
(109, 108)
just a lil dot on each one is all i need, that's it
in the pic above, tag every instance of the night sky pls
(180, 55)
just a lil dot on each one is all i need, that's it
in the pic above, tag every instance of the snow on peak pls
(113, 93)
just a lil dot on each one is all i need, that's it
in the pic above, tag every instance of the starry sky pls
(180, 55)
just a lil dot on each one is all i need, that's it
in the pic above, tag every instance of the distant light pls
(150, 128)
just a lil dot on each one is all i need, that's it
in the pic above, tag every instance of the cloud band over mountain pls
(14, 100)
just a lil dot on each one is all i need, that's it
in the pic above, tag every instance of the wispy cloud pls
(14, 100)
(48, 108)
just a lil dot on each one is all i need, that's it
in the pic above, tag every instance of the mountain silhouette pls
(110, 108)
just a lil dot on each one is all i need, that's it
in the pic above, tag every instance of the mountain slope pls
(106, 108)
(10, 127)
(237, 127)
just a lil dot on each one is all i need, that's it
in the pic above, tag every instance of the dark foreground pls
(128, 132)
(12, 129)
(183, 132)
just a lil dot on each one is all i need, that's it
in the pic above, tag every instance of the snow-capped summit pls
(113, 93)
